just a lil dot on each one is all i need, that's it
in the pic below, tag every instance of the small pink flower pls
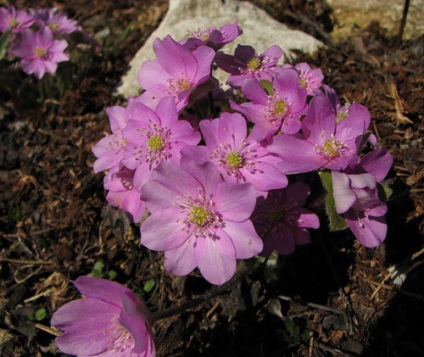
(40, 52)
(16, 20)
(110, 321)
(56, 20)
(247, 63)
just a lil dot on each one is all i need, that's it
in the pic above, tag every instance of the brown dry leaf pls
(399, 117)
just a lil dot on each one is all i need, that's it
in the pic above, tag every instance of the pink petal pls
(181, 260)
(216, 259)
(246, 241)
(235, 202)
(344, 196)
(101, 289)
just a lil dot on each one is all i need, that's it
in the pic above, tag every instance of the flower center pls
(54, 27)
(155, 143)
(13, 23)
(279, 107)
(332, 148)
(276, 215)
(199, 215)
(275, 110)
(178, 85)
(234, 159)
(254, 63)
(40, 52)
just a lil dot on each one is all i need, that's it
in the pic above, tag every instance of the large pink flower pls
(326, 141)
(110, 321)
(238, 157)
(154, 137)
(177, 71)
(199, 220)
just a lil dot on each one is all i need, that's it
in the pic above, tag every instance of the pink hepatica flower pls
(56, 20)
(246, 63)
(238, 158)
(110, 321)
(324, 142)
(154, 137)
(122, 193)
(213, 37)
(356, 197)
(199, 220)
(280, 110)
(40, 52)
(16, 20)
(282, 221)
(177, 71)
(310, 78)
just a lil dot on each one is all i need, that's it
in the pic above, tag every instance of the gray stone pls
(259, 31)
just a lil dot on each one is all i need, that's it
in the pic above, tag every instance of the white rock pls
(259, 31)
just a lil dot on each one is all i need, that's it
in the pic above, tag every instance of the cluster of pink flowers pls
(220, 187)
(208, 188)
(36, 37)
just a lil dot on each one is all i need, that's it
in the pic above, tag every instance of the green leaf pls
(149, 285)
(40, 314)
(98, 266)
(290, 325)
(112, 274)
(306, 335)
(384, 192)
(337, 222)
(4, 40)
(267, 85)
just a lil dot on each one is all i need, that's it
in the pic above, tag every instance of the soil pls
(332, 297)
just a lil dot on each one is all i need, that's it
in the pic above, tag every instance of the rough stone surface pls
(259, 31)
(354, 16)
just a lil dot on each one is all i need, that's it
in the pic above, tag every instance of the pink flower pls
(246, 63)
(280, 110)
(238, 158)
(177, 71)
(154, 137)
(311, 79)
(356, 197)
(213, 37)
(56, 20)
(324, 141)
(199, 220)
(40, 52)
(16, 20)
(110, 321)
(282, 221)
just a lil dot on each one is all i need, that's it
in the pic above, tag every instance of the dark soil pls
(331, 298)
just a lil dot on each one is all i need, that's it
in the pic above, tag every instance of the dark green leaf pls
(4, 40)
(384, 192)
